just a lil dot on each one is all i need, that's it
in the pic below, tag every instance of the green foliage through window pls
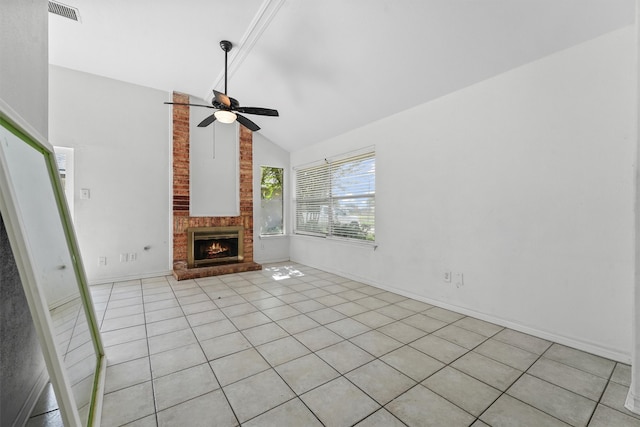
(271, 195)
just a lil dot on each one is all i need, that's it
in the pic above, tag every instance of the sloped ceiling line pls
(239, 52)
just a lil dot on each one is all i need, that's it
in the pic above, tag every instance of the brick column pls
(180, 176)
(181, 218)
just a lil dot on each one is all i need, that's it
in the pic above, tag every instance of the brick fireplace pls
(181, 219)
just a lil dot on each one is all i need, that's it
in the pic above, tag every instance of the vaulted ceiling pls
(328, 66)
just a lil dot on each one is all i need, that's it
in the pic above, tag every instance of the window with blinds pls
(337, 198)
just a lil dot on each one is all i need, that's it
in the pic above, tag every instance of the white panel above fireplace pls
(214, 166)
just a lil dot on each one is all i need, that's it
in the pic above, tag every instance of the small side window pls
(272, 201)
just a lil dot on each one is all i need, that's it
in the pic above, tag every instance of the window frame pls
(282, 204)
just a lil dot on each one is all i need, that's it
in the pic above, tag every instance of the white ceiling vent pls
(64, 10)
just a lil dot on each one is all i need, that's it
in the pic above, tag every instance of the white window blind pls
(337, 198)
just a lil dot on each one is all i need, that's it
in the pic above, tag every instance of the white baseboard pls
(102, 281)
(63, 301)
(632, 403)
(270, 260)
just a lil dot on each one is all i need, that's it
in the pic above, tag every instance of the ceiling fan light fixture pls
(224, 116)
(225, 105)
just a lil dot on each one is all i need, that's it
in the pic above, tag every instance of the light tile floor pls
(295, 346)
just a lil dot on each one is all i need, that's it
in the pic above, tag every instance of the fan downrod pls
(226, 45)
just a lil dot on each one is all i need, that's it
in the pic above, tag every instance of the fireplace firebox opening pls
(214, 245)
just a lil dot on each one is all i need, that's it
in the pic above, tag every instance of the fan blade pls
(193, 105)
(247, 123)
(206, 122)
(222, 98)
(259, 111)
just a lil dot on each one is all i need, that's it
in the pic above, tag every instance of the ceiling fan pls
(227, 108)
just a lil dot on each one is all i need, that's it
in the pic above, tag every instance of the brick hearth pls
(181, 218)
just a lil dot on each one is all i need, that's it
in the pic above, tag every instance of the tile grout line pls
(146, 333)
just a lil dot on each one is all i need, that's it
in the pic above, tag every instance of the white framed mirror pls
(40, 231)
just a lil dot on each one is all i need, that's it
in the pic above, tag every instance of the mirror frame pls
(38, 305)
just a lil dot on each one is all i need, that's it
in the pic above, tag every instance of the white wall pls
(523, 183)
(121, 134)
(269, 248)
(24, 50)
(633, 397)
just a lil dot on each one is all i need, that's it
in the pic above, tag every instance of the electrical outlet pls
(459, 279)
(447, 277)
(133, 256)
(124, 257)
(102, 261)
